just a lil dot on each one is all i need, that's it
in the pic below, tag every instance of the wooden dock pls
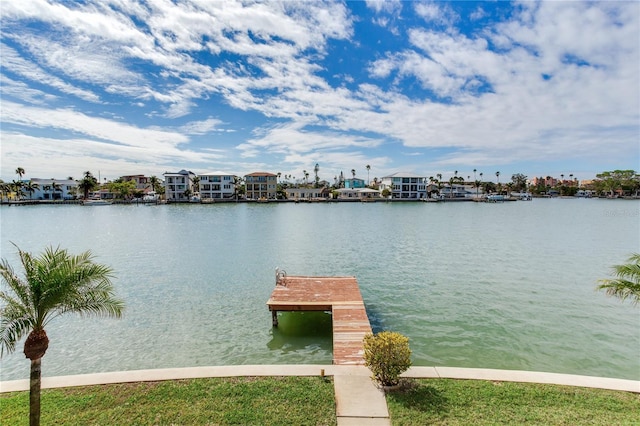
(339, 295)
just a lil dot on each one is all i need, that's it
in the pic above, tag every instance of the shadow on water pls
(302, 330)
(376, 318)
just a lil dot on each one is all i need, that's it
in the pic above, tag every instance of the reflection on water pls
(307, 331)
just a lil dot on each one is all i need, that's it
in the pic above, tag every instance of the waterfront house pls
(405, 186)
(299, 194)
(217, 186)
(261, 185)
(177, 183)
(357, 194)
(354, 183)
(53, 189)
(457, 191)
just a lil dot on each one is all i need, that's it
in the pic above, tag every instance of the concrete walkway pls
(358, 400)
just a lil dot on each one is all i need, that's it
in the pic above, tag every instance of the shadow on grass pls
(420, 397)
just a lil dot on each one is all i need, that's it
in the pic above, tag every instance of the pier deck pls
(341, 296)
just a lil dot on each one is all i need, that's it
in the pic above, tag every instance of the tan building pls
(142, 182)
(260, 185)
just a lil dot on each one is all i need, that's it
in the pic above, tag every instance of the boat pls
(494, 198)
(95, 202)
(150, 197)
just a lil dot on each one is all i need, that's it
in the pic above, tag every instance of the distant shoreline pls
(310, 201)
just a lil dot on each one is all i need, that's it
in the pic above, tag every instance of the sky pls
(122, 87)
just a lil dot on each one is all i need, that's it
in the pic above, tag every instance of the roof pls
(403, 175)
(261, 174)
(217, 174)
(181, 172)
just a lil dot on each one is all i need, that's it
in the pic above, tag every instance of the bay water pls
(506, 285)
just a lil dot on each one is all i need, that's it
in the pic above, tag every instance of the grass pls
(477, 402)
(310, 401)
(216, 401)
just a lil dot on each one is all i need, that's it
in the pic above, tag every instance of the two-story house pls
(53, 189)
(175, 185)
(261, 185)
(405, 186)
(217, 185)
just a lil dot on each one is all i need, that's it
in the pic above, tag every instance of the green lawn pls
(310, 401)
(477, 402)
(242, 400)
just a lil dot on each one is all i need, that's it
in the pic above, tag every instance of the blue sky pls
(122, 87)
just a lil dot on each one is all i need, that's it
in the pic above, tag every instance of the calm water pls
(508, 285)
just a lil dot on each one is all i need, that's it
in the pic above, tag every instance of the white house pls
(357, 193)
(175, 185)
(405, 186)
(304, 193)
(53, 189)
(216, 185)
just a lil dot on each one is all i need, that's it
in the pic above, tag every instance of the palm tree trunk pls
(34, 392)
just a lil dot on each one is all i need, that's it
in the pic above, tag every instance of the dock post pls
(274, 318)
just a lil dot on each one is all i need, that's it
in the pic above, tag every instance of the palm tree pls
(155, 184)
(316, 169)
(353, 173)
(627, 284)
(196, 184)
(16, 187)
(236, 182)
(54, 283)
(31, 187)
(368, 167)
(87, 184)
(55, 187)
(3, 190)
(20, 172)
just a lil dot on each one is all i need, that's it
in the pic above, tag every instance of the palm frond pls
(54, 283)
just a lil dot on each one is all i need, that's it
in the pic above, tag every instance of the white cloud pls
(20, 90)
(436, 13)
(99, 128)
(385, 6)
(201, 127)
(16, 64)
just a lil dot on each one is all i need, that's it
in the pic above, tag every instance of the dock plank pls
(339, 295)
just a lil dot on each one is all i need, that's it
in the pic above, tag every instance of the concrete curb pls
(329, 370)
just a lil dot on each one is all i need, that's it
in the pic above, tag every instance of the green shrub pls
(387, 355)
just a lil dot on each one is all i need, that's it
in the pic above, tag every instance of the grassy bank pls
(478, 402)
(310, 401)
(241, 400)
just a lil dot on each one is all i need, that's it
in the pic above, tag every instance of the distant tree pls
(54, 283)
(627, 283)
(353, 173)
(316, 169)
(618, 180)
(519, 182)
(368, 167)
(87, 184)
(236, 182)
(196, 184)
(3, 190)
(122, 189)
(31, 187)
(156, 186)
(55, 187)
(20, 172)
(16, 188)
